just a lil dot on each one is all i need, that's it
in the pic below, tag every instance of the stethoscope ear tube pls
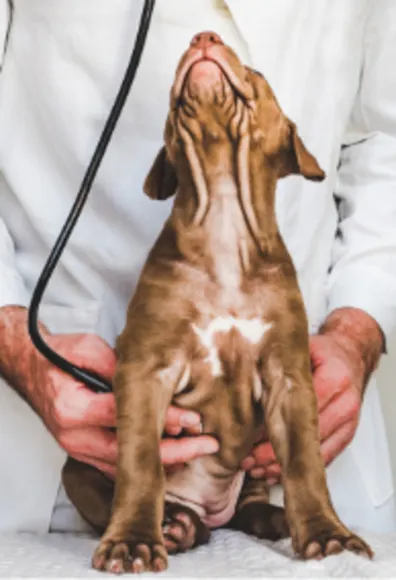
(93, 381)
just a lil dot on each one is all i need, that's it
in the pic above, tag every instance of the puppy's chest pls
(222, 379)
(226, 339)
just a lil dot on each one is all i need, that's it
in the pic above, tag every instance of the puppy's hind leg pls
(254, 514)
(183, 529)
(90, 491)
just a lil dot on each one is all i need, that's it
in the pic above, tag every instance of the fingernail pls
(248, 463)
(273, 471)
(258, 473)
(272, 481)
(190, 420)
(211, 447)
(174, 431)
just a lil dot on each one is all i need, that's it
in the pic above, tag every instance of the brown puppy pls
(217, 325)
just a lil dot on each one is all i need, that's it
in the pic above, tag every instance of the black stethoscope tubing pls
(91, 380)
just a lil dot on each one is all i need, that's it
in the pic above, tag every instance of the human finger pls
(174, 451)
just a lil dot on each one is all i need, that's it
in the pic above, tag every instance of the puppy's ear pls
(161, 182)
(298, 160)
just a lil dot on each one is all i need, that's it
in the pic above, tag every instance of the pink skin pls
(209, 47)
(205, 73)
(337, 379)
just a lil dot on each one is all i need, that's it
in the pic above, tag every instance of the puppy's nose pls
(205, 40)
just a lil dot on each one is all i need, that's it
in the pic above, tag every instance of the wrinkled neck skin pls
(225, 202)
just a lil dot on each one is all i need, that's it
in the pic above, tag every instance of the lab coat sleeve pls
(5, 22)
(363, 269)
(12, 287)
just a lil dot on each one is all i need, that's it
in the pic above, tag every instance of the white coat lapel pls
(281, 37)
(299, 45)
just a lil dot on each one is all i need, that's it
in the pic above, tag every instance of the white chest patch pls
(252, 330)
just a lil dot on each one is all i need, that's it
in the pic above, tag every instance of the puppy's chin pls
(205, 72)
(205, 80)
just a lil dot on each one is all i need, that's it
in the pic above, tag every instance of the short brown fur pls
(220, 255)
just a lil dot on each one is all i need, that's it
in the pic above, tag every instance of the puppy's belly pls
(213, 497)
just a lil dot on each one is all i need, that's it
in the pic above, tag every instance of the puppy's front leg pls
(292, 421)
(133, 540)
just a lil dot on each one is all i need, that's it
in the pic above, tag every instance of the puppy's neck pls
(226, 207)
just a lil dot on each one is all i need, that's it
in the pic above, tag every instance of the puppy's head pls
(215, 102)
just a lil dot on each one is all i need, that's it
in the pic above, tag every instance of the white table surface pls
(229, 554)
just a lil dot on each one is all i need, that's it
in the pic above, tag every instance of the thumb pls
(97, 410)
(317, 349)
(328, 374)
(87, 351)
(98, 356)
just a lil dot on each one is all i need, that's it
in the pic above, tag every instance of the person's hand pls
(343, 357)
(82, 421)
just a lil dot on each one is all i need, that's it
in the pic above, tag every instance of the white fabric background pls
(386, 381)
(229, 554)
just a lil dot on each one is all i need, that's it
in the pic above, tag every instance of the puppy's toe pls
(263, 520)
(359, 546)
(135, 557)
(333, 541)
(333, 547)
(313, 551)
(183, 529)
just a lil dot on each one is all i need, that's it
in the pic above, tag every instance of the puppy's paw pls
(119, 557)
(183, 529)
(263, 520)
(331, 540)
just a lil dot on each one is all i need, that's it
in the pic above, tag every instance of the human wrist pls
(19, 356)
(358, 334)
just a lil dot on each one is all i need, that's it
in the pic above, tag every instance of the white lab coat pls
(331, 64)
